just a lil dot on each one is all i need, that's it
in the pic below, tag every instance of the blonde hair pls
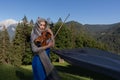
(42, 20)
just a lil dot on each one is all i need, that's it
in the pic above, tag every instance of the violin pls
(42, 40)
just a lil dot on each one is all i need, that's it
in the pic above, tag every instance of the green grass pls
(69, 74)
(8, 72)
(65, 70)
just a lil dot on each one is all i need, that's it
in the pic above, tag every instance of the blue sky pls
(83, 11)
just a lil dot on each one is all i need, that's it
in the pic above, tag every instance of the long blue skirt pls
(38, 68)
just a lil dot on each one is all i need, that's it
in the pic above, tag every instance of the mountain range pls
(94, 30)
(10, 25)
(106, 33)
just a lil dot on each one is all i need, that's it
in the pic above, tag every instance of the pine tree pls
(18, 45)
(63, 39)
(60, 20)
(31, 22)
(21, 43)
(4, 47)
(73, 34)
(27, 56)
(25, 20)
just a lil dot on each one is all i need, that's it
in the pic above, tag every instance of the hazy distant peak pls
(8, 22)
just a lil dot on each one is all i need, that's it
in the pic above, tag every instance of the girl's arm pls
(52, 36)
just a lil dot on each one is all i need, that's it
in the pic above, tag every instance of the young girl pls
(41, 64)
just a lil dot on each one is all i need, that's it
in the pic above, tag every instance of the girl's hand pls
(50, 44)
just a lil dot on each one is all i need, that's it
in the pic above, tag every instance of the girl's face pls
(42, 25)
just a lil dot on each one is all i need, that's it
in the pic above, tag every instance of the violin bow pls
(61, 25)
